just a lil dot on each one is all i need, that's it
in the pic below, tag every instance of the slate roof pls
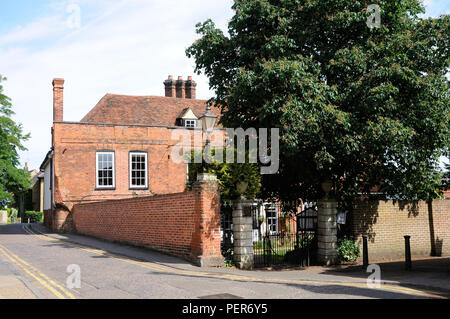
(146, 110)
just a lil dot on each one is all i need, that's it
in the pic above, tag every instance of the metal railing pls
(278, 249)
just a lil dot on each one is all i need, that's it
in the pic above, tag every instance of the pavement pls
(428, 274)
(112, 270)
(13, 285)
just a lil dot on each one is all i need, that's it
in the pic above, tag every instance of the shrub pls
(228, 175)
(307, 242)
(347, 249)
(228, 263)
(228, 254)
(12, 214)
(35, 217)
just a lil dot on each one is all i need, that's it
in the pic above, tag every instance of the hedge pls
(35, 217)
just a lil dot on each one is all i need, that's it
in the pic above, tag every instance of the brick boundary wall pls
(386, 222)
(48, 219)
(183, 224)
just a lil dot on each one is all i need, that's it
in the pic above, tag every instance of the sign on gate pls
(341, 218)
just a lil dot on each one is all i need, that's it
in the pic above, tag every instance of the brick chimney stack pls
(180, 88)
(169, 86)
(58, 99)
(190, 87)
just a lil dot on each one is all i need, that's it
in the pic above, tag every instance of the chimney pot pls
(190, 88)
(169, 87)
(180, 88)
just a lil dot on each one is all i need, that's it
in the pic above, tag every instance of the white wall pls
(47, 191)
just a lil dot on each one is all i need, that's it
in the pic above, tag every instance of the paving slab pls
(12, 285)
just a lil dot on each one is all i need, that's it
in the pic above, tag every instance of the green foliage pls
(12, 214)
(358, 106)
(228, 255)
(228, 175)
(307, 242)
(35, 217)
(347, 249)
(28, 199)
(13, 180)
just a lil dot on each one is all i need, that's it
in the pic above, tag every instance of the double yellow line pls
(55, 288)
(100, 252)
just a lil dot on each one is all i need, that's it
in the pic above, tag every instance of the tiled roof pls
(147, 110)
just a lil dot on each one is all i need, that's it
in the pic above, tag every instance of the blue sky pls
(120, 46)
(20, 12)
(437, 7)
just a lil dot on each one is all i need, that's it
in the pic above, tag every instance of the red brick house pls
(446, 194)
(120, 149)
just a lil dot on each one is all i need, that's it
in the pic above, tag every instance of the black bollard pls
(407, 253)
(365, 253)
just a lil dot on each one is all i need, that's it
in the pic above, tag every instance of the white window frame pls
(193, 123)
(113, 170)
(131, 167)
(187, 172)
(272, 221)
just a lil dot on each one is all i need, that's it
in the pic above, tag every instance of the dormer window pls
(190, 123)
(187, 118)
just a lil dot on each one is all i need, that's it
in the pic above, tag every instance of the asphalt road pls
(42, 262)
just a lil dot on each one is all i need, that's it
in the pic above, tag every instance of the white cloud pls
(129, 48)
(41, 28)
(123, 46)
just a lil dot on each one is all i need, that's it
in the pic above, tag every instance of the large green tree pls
(445, 185)
(13, 180)
(228, 175)
(360, 106)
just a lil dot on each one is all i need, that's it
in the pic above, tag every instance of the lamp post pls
(208, 120)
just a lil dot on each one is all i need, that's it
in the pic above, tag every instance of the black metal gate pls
(226, 223)
(284, 238)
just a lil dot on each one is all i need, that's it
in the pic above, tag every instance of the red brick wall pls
(75, 146)
(386, 222)
(185, 224)
(48, 218)
(75, 149)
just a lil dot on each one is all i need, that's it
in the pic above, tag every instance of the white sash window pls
(105, 170)
(138, 170)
